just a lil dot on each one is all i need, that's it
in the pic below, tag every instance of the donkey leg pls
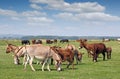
(16, 60)
(48, 65)
(43, 66)
(25, 61)
(89, 54)
(69, 63)
(25, 64)
(44, 62)
(95, 57)
(76, 58)
(103, 56)
(110, 55)
(30, 63)
(51, 61)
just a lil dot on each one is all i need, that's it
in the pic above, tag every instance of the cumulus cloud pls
(12, 13)
(96, 16)
(88, 11)
(35, 6)
(33, 13)
(39, 20)
(71, 7)
(29, 17)
(8, 12)
(66, 16)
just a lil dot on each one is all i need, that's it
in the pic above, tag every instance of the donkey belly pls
(40, 57)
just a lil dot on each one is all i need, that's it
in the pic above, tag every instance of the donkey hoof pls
(94, 61)
(33, 70)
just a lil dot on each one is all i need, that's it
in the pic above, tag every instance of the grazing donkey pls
(77, 54)
(43, 53)
(16, 50)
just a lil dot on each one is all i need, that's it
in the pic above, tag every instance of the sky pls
(60, 17)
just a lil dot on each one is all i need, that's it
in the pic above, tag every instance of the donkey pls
(66, 55)
(94, 49)
(43, 53)
(16, 50)
(77, 54)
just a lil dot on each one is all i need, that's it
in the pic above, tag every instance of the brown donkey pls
(94, 49)
(66, 55)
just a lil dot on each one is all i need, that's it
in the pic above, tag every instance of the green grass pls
(109, 69)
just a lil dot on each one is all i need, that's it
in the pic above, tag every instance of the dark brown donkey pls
(66, 55)
(94, 49)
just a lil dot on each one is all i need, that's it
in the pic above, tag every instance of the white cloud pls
(96, 16)
(90, 11)
(33, 17)
(71, 7)
(47, 1)
(35, 6)
(8, 12)
(39, 20)
(87, 11)
(83, 7)
(33, 13)
(12, 13)
(65, 16)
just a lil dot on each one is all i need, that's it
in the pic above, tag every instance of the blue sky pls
(60, 17)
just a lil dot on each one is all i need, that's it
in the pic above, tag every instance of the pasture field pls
(108, 69)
